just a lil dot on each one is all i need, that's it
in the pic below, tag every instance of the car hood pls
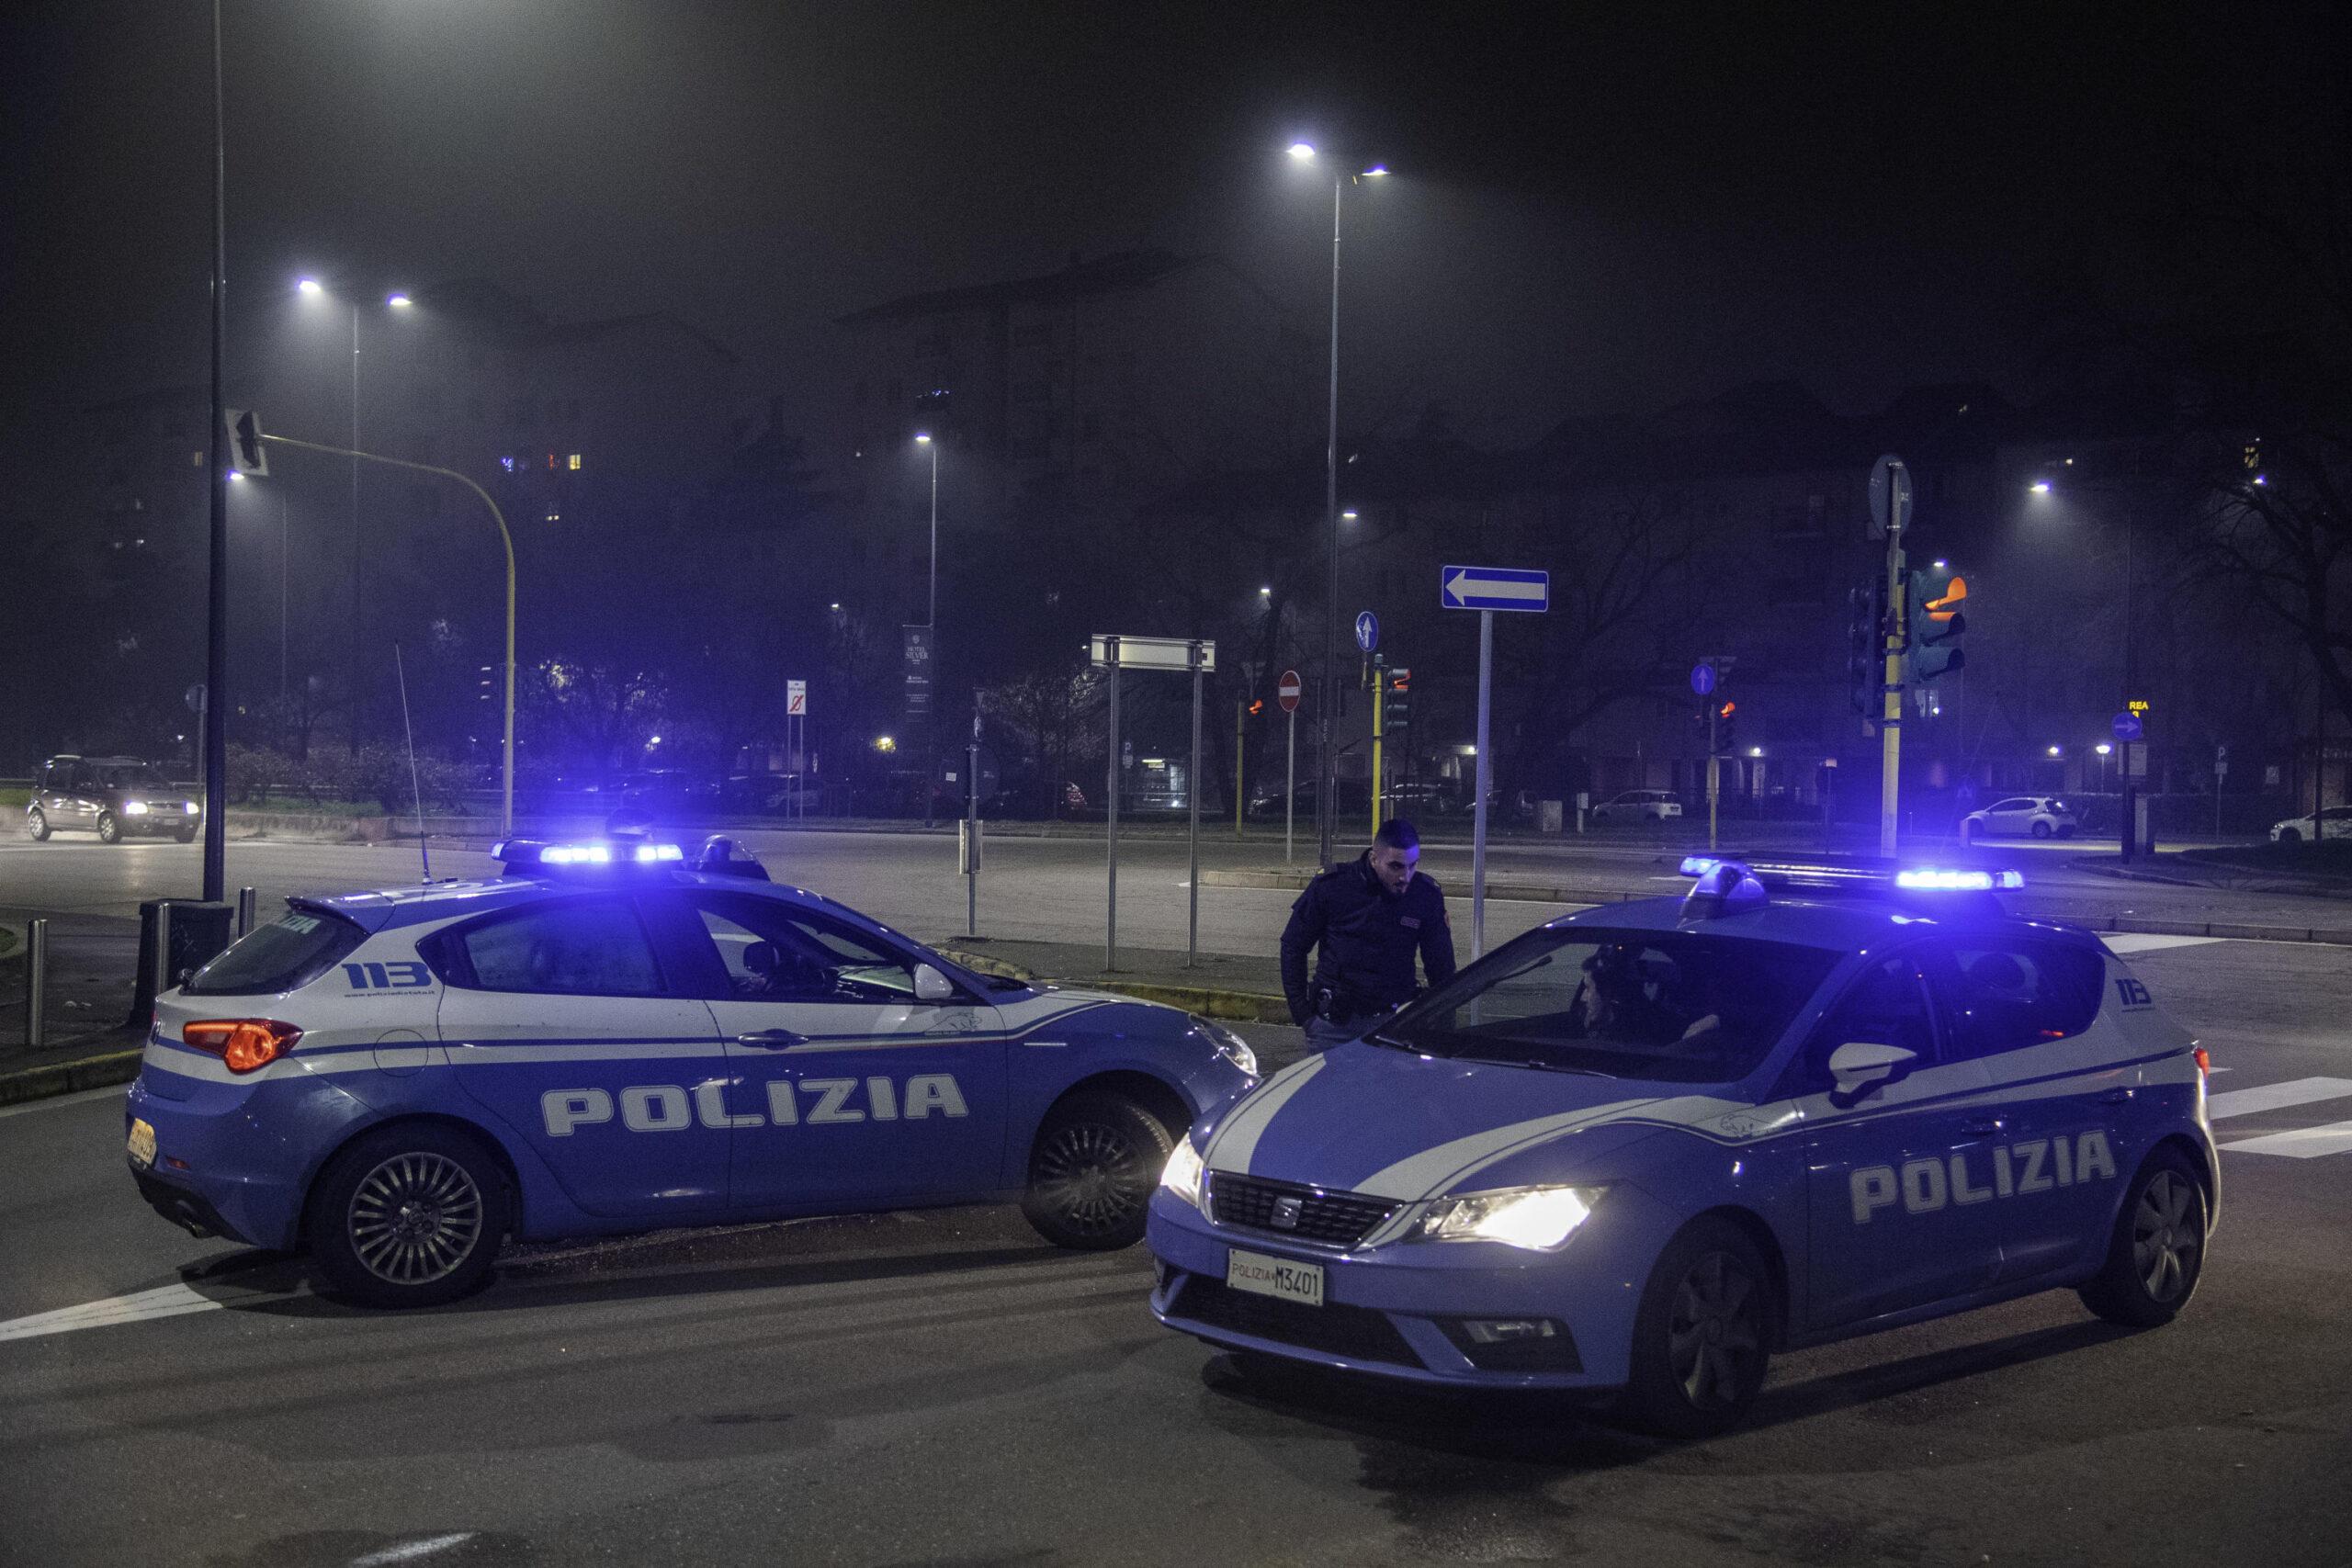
(1392, 1125)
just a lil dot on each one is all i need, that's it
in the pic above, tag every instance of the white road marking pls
(2301, 1143)
(163, 1301)
(115, 1092)
(2277, 1096)
(411, 1551)
(2122, 943)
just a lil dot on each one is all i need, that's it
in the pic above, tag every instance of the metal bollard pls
(37, 983)
(244, 910)
(162, 972)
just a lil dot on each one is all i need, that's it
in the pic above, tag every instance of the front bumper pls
(1399, 1311)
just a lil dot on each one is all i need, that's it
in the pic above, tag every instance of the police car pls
(1638, 1149)
(610, 1038)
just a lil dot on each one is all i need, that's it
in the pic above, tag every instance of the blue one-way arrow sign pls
(1494, 588)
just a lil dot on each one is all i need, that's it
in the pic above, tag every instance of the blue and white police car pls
(1638, 1149)
(610, 1038)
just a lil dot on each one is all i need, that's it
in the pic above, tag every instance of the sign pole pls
(1240, 762)
(1290, 782)
(972, 826)
(1193, 834)
(1714, 769)
(1891, 721)
(1485, 775)
(1111, 801)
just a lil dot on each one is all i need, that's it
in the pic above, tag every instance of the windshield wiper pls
(1532, 1061)
(1394, 1043)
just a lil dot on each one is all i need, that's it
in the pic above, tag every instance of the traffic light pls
(1726, 728)
(1397, 700)
(1865, 646)
(1936, 623)
(1257, 706)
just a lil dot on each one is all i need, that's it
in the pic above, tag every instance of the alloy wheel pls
(1092, 1178)
(1715, 1335)
(2167, 1233)
(415, 1218)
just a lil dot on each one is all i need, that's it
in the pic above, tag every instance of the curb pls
(1243, 1007)
(66, 1077)
(2326, 936)
(1519, 892)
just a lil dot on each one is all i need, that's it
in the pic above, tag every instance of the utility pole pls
(1890, 494)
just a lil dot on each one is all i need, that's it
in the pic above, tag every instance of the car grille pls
(1358, 1333)
(1329, 1219)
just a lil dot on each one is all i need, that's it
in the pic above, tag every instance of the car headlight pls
(189, 807)
(1183, 1176)
(1538, 1218)
(1229, 1045)
(134, 808)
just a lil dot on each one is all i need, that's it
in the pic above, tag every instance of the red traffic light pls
(1726, 710)
(1257, 707)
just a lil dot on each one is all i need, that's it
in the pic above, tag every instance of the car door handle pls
(772, 1040)
(2116, 1097)
(1983, 1129)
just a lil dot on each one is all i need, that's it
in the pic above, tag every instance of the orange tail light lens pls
(2204, 1061)
(247, 1045)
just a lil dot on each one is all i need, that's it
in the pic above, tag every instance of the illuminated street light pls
(1756, 750)
(310, 286)
(2103, 749)
(2040, 487)
(398, 302)
(1347, 516)
(2054, 751)
(1265, 593)
(1302, 151)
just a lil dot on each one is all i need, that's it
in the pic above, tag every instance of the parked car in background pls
(112, 796)
(1416, 800)
(1355, 794)
(2330, 822)
(1639, 805)
(2021, 817)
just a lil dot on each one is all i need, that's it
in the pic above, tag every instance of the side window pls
(2006, 995)
(1886, 1005)
(777, 952)
(595, 948)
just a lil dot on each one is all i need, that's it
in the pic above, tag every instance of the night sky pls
(1595, 209)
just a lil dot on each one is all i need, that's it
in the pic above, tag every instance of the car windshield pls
(1682, 1007)
(130, 775)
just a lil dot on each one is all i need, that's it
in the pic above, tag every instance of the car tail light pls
(247, 1045)
(2204, 1061)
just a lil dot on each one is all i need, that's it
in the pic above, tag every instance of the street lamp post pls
(310, 288)
(2129, 831)
(1327, 792)
(931, 624)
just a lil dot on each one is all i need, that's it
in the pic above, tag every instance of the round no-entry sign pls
(1286, 691)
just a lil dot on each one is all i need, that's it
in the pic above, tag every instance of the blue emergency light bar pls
(530, 852)
(1855, 875)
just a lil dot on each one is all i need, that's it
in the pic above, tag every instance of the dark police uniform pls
(1364, 939)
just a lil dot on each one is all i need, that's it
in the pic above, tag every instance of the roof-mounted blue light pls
(1938, 879)
(516, 853)
(1699, 865)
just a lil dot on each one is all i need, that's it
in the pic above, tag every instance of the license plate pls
(142, 1143)
(1276, 1277)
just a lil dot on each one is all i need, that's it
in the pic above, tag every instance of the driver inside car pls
(776, 971)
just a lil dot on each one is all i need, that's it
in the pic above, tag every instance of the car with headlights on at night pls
(1634, 1152)
(613, 1038)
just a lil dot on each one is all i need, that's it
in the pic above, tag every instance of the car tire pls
(37, 825)
(109, 830)
(408, 1216)
(1092, 1170)
(2285, 836)
(2157, 1253)
(1701, 1334)
(2042, 829)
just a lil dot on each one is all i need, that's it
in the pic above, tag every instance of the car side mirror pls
(1861, 1066)
(930, 985)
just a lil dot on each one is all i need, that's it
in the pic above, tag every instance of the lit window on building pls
(555, 516)
(575, 462)
(507, 464)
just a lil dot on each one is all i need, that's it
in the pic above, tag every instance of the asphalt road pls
(941, 1388)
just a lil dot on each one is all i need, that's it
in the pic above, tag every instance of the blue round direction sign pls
(1367, 631)
(1702, 678)
(2126, 726)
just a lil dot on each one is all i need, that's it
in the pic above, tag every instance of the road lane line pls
(2124, 943)
(2301, 1143)
(2276, 1096)
(164, 1301)
(83, 1098)
(410, 1551)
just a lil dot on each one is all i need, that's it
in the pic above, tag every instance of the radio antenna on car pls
(424, 854)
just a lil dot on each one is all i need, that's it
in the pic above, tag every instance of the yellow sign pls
(2137, 704)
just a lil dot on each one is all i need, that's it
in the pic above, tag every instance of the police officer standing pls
(1365, 920)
